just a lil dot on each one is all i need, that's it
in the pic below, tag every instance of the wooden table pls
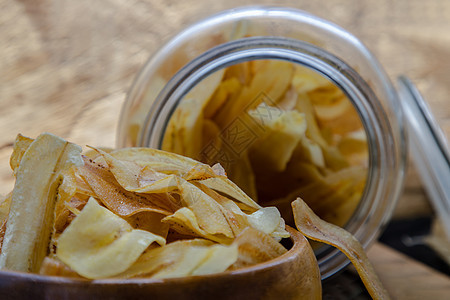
(65, 67)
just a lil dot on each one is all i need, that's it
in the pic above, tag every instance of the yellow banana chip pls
(310, 151)
(163, 185)
(5, 203)
(271, 81)
(306, 80)
(185, 265)
(172, 260)
(218, 259)
(227, 187)
(227, 90)
(184, 221)
(158, 160)
(202, 171)
(126, 173)
(38, 177)
(208, 212)
(133, 177)
(205, 89)
(184, 132)
(314, 228)
(265, 219)
(21, 144)
(255, 247)
(99, 244)
(285, 132)
(236, 218)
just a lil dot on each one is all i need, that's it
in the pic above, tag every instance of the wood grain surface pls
(66, 66)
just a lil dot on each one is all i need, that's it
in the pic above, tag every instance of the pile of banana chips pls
(141, 212)
(281, 131)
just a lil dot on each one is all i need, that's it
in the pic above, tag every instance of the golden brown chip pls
(183, 134)
(5, 204)
(227, 187)
(227, 90)
(65, 215)
(149, 221)
(240, 171)
(51, 266)
(21, 144)
(271, 81)
(158, 160)
(99, 244)
(136, 178)
(316, 229)
(176, 259)
(209, 214)
(256, 247)
(30, 222)
(185, 223)
(201, 172)
(2, 233)
(117, 199)
(285, 131)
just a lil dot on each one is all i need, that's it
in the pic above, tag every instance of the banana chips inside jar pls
(281, 131)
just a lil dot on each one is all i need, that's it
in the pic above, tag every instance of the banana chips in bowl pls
(143, 222)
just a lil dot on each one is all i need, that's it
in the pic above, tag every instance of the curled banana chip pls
(316, 229)
(99, 244)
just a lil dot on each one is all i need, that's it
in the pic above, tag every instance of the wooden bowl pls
(294, 275)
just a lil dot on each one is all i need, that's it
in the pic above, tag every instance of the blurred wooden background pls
(65, 67)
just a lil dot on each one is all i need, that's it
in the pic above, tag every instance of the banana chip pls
(265, 219)
(271, 81)
(21, 144)
(5, 204)
(209, 214)
(99, 244)
(255, 247)
(183, 258)
(316, 229)
(184, 221)
(227, 187)
(2, 233)
(133, 177)
(218, 259)
(158, 160)
(228, 89)
(41, 170)
(119, 200)
(54, 267)
(184, 131)
(284, 131)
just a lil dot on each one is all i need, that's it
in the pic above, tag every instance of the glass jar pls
(271, 33)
